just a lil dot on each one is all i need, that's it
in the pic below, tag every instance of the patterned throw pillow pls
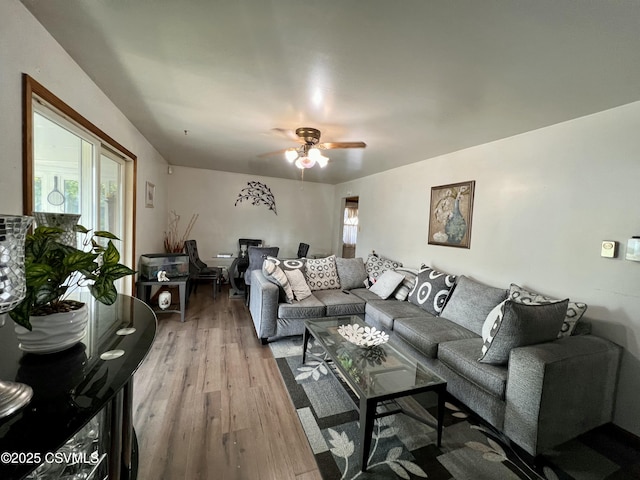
(575, 310)
(520, 324)
(321, 273)
(410, 275)
(377, 265)
(431, 289)
(272, 272)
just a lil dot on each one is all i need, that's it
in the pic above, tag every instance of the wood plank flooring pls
(209, 402)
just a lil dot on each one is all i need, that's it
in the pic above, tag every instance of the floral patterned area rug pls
(406, 449)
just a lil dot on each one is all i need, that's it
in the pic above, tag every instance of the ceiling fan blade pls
(332, 145)
(270, 154)
(288, 134)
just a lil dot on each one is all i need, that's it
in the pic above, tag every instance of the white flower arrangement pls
(363, 336)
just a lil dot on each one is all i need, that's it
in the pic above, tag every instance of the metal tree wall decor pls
(259, 194)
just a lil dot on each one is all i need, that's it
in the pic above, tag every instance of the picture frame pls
(149, 196)
(450, 214)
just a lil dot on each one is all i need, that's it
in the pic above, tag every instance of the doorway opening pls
(350, 227)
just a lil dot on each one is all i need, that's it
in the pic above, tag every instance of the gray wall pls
(305, 211)
(544, 202)
(27, 47)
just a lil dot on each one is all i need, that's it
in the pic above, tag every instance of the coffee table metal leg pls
(367, 418)
(305, 342)
(441, 392)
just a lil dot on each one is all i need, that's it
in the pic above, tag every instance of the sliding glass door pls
(73, 173)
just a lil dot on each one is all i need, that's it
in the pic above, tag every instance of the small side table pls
(143, 292)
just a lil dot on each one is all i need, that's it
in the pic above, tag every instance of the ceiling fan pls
(308, 154)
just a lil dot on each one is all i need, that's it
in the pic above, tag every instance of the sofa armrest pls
(559, 390)
(263, 305)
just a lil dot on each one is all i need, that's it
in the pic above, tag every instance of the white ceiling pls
(411, 78)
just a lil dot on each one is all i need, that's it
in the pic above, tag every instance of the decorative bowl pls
(363, 336)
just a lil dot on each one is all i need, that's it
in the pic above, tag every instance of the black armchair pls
(198, 270)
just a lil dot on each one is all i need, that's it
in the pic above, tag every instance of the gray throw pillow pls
(351, 272)
(519, 325)
(298, 284)
(575, 310)
(431, 289)
(387, 283)
(470, 303)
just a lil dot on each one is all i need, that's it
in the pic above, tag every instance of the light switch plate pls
(609, 249)
(633, 249)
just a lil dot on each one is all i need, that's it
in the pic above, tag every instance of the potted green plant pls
(53, 270)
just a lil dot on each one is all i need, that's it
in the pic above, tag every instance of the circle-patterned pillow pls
(431, 289)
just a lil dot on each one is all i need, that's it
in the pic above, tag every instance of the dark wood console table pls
(143, 292)
(84, 391)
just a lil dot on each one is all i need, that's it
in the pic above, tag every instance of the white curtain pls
(350, 229)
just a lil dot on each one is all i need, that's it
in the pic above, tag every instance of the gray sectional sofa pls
(544, 394)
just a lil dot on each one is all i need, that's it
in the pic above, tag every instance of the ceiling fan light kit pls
(308, 154)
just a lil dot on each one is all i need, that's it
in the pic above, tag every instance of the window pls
(350, 227)
(71, 166)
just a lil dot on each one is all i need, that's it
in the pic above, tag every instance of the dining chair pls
(303, 250)
(256, 258)
(198, 270)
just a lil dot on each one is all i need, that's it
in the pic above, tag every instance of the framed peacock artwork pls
(450, 214)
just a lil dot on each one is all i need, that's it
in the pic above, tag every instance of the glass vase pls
(64, 221)
(13, 288)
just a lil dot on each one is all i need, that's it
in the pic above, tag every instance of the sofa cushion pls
(364, 293)
(386, 284)
(426, 333)
(470, 303)
(351, 272)
(431, 289)
(383, 312)
(409, 281)
(575, 310)
(462, 357)
(298, 284)
(310, 307)
(340, 303)
(519, 325)
(322, 274)
(377, 265)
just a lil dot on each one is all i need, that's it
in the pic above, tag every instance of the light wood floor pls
(209, 402)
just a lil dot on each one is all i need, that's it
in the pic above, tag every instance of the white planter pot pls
(53, 333)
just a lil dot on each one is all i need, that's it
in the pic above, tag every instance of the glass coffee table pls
(375, 375)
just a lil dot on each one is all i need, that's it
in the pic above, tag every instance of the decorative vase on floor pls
(456, 227)
(13, 288)
(65, 221)
(164, 300)
(55, 332)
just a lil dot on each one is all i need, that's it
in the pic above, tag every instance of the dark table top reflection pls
(72, 386)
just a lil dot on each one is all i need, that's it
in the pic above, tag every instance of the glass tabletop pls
(378, 371)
